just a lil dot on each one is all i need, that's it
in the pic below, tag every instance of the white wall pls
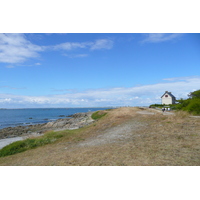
(167, 100)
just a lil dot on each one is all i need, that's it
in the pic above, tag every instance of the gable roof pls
(169, 93)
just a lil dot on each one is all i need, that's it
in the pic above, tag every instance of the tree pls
(192, 104)
(195, 94)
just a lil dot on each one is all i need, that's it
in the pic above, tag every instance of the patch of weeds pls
(79, 139)
(188, 146)
(98, 114)
(110, 109)
(181, 114)
(20, 146)
(180, 137)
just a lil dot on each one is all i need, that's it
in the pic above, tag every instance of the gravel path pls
(117, 133)
(121, 132)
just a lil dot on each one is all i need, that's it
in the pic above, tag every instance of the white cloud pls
(102, 44)
(133, 96)
(76, 55)
(15, 48)
(160, 37)
(37, 63)
(96, 45)
(71, 45)
(5, 100)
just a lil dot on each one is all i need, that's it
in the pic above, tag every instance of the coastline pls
(75, 121)
(10, 117)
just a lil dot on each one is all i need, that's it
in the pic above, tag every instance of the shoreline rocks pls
(74, 121)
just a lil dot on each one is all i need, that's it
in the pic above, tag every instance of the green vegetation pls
(172, 106)
(48, 138)
(20, 146)
(191, 105)
(156, 106)
(98, 115)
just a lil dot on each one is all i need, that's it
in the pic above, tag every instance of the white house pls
(168, 98)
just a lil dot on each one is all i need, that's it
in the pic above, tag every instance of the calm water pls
(22, 117)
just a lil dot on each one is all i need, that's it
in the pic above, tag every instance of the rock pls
(75, 121)
(29, 132)
(48, 125)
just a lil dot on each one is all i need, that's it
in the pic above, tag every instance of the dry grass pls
(156, 140)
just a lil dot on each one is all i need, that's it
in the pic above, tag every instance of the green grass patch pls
(110, 109)
(98, 114)
(20, 146)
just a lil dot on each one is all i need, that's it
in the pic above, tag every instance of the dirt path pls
(154, 111)
(118, 133)
(122, 132)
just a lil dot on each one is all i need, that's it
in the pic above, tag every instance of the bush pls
(98, 114)
(155, 105)
(192, 104)
(194, 107)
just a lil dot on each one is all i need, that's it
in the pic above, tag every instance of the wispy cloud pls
(15, 48)
(160, 37)
(102, 44)
(71, 45)
(76, 55)
(63, 90)
(133, 96)
(12, 88)
(37, 63)
(91, 45)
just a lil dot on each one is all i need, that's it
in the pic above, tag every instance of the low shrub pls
(20, 146)
(98, 114)
(156, 105)
(191, 105)
(194, 107)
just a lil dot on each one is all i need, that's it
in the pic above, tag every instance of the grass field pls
(121, 137)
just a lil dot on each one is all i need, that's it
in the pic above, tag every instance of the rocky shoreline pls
(74, 121)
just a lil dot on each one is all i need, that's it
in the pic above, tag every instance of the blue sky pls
(90, 69)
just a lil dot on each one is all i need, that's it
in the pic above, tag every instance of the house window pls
(166, 95)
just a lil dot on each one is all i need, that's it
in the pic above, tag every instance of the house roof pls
(169, 93)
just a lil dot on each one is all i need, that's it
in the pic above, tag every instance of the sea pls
(31, 116)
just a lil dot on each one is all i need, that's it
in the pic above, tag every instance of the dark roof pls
(169, 93)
